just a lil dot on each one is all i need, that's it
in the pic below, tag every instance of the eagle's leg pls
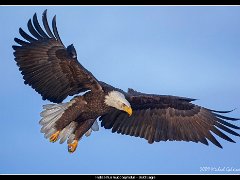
(59, 119)
(54, 136)
(72, 146)
(82, 128)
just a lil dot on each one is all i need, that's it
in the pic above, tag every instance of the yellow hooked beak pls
(128, 110)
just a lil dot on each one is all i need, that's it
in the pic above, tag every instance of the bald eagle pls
(55, 73)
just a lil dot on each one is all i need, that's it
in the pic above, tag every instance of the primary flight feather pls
(55, 73)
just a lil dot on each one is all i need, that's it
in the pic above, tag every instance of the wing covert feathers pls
(170, 118)
(47, 66)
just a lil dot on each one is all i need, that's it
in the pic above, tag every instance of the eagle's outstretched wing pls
(47, 66)
(161, 118)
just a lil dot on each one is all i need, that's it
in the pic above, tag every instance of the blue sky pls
(186, 51)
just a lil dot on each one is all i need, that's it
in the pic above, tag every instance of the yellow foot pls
(73, 146)
(54, 137)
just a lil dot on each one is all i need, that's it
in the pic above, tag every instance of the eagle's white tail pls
(51, 114)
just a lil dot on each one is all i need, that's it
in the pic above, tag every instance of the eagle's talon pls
(73, 146)
(54, 137)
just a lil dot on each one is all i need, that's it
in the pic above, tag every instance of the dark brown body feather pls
(85, 110)
(54, 72)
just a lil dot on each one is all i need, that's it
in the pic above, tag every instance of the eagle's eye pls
(123, 105)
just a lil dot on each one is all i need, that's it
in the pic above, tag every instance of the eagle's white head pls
(118, 101)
